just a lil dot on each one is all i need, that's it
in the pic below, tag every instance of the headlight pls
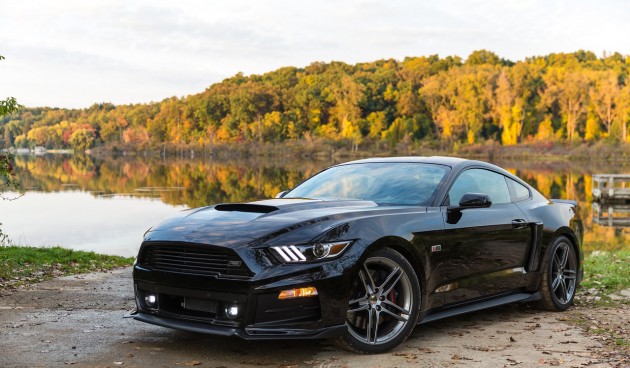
(309, 253)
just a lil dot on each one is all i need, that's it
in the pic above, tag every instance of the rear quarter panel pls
(558, 219)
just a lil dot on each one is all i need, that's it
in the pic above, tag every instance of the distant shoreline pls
(332, 150)
(327, 150)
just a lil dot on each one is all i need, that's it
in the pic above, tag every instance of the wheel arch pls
(568, 233)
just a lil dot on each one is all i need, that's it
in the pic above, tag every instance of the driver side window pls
(480, 181)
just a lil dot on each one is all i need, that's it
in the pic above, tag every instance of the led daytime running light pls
(306, 253)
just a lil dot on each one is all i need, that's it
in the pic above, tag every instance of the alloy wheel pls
(563, 273)
(381, 303)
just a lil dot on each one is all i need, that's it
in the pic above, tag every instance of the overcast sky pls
(74, 53)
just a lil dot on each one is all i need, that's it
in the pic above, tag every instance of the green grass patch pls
(23, 265)
(608, 271)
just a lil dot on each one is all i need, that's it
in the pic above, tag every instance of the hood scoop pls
(245, 207)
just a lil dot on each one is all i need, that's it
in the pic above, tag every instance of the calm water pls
(106, 205)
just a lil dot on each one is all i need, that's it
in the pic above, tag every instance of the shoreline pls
(327, 150)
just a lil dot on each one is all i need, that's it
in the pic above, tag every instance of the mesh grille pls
(204, 260)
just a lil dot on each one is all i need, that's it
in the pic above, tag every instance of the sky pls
(73, 54)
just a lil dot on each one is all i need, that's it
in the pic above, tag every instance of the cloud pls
(71, 53)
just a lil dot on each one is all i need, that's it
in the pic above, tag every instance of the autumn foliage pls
(575, 97)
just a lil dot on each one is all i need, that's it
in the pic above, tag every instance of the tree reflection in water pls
(200, 182)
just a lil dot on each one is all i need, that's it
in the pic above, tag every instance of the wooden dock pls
(611, 188)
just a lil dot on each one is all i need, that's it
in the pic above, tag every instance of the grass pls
(25, 265)
(607, 271)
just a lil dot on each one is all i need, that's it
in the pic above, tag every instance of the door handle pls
(519, 223)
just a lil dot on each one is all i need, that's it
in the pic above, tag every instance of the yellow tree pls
(433, 95)
(604, 94)
(509, 110)
(623, 115)
(460, 99)
(592, 128)
(568, 90)
(377, 123)
(347, 94)
(472, 98)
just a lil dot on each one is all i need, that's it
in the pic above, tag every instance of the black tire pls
(559, 278)
(384, 304)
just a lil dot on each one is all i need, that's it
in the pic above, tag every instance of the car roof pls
(440, 160)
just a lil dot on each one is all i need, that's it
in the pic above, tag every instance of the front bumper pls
(199, 303)
(247, 334)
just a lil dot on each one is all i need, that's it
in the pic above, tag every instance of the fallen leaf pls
(406, 355)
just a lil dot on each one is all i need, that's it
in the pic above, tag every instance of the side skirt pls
(488, 303)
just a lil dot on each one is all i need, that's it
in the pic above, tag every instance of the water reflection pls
(574, 180)
(614, 215)
(192, 183)
(147, 189)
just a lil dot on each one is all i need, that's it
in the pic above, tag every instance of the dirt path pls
(77, 321)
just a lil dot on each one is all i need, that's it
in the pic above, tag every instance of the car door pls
(483, 250)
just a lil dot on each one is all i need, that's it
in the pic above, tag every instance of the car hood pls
(233, 224)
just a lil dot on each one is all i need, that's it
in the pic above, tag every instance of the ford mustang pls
(362, 253)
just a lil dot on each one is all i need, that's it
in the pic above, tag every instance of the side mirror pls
(282, 194)
(475, 200)
(468, 200)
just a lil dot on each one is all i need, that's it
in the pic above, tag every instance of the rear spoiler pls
(565, 201)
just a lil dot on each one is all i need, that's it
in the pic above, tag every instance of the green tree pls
(481, 57)
(7, 173)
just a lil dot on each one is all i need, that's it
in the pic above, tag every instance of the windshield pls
(388, 183)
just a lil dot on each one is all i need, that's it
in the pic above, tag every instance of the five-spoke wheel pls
(559, 275)
(384, 305)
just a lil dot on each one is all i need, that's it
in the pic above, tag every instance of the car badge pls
(436, 248)
(234, 263)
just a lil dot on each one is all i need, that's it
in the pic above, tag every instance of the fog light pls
(232, 311)
(150, 300)
(304, 292)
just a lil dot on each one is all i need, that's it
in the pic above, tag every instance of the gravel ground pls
(77, 321)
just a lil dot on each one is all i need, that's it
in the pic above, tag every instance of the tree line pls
(572, 97)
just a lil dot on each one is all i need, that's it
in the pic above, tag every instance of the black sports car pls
(362, 252)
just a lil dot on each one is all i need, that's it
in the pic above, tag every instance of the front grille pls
(204, 260)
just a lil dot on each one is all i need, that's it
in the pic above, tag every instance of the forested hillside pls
(558, 97)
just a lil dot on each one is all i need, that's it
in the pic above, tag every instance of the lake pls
(106, 204)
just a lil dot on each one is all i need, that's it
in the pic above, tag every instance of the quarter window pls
(480, 181)
(521, 192)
